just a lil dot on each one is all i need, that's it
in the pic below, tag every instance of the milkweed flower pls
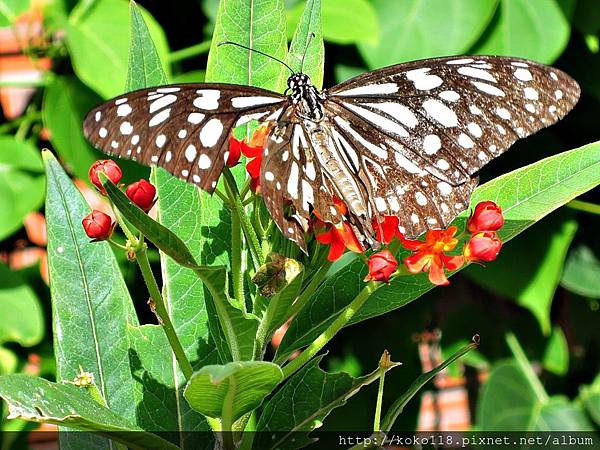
(430, 256)
(386, 229)
(339, 237)
(483, 246)
(110, 168)
(251, 149)
(381, 266)
(486, 217)
(98, 225)
(142, 194)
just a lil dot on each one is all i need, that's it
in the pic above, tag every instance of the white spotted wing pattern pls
(405, 140)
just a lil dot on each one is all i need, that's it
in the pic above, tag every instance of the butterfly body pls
(405, 140)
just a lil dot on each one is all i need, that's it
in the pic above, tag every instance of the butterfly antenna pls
(310, 37)
(256, 51)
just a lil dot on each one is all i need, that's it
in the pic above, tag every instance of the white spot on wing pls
(399, 112)
(162, 102)
(209, 99)
(371, 89)
(160, 140)
(211, 132)
(190, 153)
(378, 120)
(195, 118)
(449, 96)
(488, 88)
(475, 130)
(476, 73)
(523, 75)
(431, 144)
(126, 128)
(160, 117)
(246, 102)
(440, 112)
(422, 80)
(204, 161)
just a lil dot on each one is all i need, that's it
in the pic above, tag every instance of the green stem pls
(125, 227)
(339, 322)
(308, 292)
(237, 275)
(190, 52)
(377, 419)
(162, 313)
(580, 205)
(523, 363)
(238, 208)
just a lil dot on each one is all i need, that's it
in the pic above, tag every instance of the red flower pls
(430, 255)
(142, 194)
(110, 168)
(253, 150)
(487, 217)
(97, 225)
(339, 238)
(235, 151)
(386, 229)
(483, 246)
(381, 266)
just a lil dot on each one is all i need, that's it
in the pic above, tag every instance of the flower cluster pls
(98, 225)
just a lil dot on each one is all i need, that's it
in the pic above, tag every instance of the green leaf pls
(98, 40)
(525, 195)
(582, 272)
(10, 9)
(398, 406)
(66, 102)
(21, 183)
(302, 404)
(278, 307)
(194, 76)
(21, 316)
(556, 356)
(38, 400)
(233, 389)
(159, 235)
(344, 21)
(91, 305)
(145, 67)
(416, 29)
(258, 25)
(509, 403)
(520, 28)
(528, 269)
(590, 397)
(303, 43)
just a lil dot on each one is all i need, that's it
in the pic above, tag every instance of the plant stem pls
(523, 363)
(339, 322)
(378, 405)
(307, 293)
(237, 275)
(190, 52)
(161, 312)
(238, 208)
(580, 205)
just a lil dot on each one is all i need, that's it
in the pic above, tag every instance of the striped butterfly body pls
(405, 140)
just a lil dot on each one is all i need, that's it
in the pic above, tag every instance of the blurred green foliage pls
(545, 287)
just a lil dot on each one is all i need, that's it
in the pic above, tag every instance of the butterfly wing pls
(183, 128)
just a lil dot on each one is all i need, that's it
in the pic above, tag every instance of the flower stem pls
(238, 209)
(339, 322)
(190, 52)
(525, 366)
(588, 207)
(237, 275)
(161, 311)
(382, 370)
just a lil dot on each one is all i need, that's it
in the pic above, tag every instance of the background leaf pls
(21, 183)
(582, 272)
(556, 355)
(520, 28)
(98, 43)
(415, 29)
(21, 318)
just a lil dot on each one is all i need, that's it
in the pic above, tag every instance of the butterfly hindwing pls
(183, 128)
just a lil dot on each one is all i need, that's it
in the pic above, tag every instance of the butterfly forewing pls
(183, 128)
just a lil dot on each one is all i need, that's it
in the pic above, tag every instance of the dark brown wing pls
(183, 128)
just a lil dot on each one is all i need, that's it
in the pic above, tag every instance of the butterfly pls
(405, 140)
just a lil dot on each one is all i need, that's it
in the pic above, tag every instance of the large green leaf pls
(416, 29)
(256, 24)
(66, 102)
(21, 317)
(233, 389)
(91, 305)
(98, 38)
(582, 272)
(21, 183)
(302, 404)
(344, 21)
(520, 28)
(309, 22)
(528, 269)
(10, 9)
(590, 397)
(526, 195)
(509, 403)
(38, 400)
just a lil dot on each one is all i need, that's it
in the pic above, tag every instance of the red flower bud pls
(381, 266)
(142, 194)
(97, 225)
(483, 246)
(110, 168)
(487, 217)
